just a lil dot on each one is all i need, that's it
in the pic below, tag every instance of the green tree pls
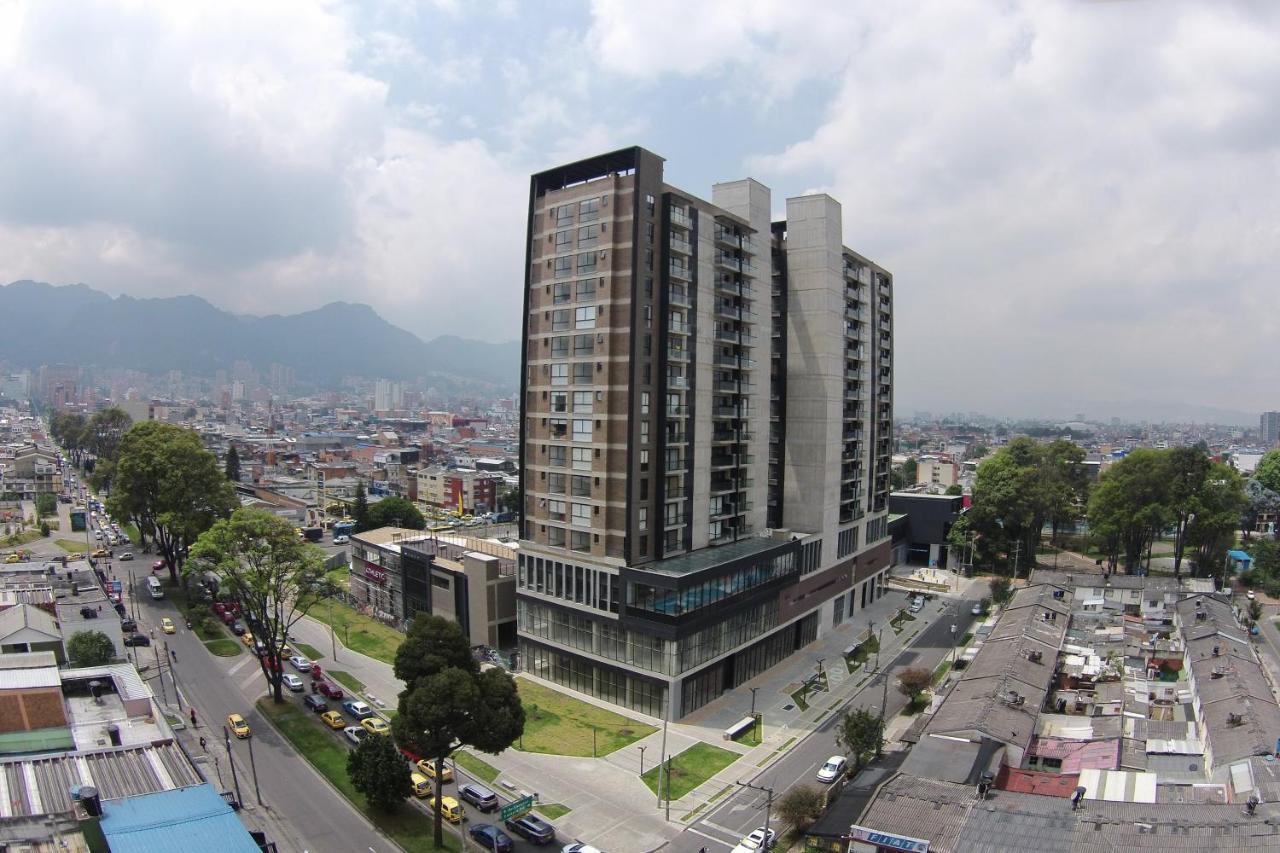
(1001, 590)
(1219, 504)
(90, 648)
(801, 806)
(955, 489)
(105, 431)
(68, 429)
(860, 733)
(233, 464)
(102, 475)
(170, 486)
(378, 770)
(912, 682)
(1187, 468)
(1130, 505)
(448, 702)
(360, 510)
(276, 576)
(395, 512)
(1258, 500)
(1268, 471)
(1254, 611)
(44, 528)
(46, 504)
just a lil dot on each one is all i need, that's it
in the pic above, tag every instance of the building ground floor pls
(569, 659)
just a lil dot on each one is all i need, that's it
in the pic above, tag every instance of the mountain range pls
(75, 324)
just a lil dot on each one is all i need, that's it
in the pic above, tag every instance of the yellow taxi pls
(421, 785)
(333, 720)
(238, 726)
(247, 639)
(101, 552)
(376, 726)
(166, 625)
(450, 809)
(13, 558)
(427, 767)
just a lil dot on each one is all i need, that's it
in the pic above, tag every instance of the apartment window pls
(644, 432)
(672, 514)
(644, 402)
(586, 263)
(564, 241)
(586, 289)
(560, 374)
(649, 204)
(581, 458)
(581, 486)
(581, 515)
(588, 235)
(564, 267)
(582, 430)
(582, 401)
(555, 483)
(585, 318)
(555, 536)
(644, 460)
(560, 346)
(648, 231)
(642, 518)
(583, 345)
(582, 373)
(560, 401)
(560, 320)
(561, 292)
(580, 541)
(648, 259)
(559, 428)
(563, 214)
(644, 490)
(589, 210)
(555, 510)
(558, 455)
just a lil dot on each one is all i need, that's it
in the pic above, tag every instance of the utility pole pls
(253, 767)
(226, 737)
(768, 809)
(884, 704)
(662, 756)
(1017, 552)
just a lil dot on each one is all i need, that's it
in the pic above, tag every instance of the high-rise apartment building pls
(706, 430)
(1269, 425)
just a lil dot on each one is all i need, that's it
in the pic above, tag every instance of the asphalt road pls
(724, 825)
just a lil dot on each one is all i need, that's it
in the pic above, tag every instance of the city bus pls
(154, 587)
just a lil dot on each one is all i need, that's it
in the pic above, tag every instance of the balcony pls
(726, 412)
(720, 461)
(681, 245)
(726, 235)
(677, 436)
(731, 361)
(679, 328)
(677, 353)
(724, 259)
(730, 386)
(677, 411)
(677, 382)
(854, 314)
(680, 218)
(727, 284)
(728, 336)
(677, 465)
(680, 271)
(678, 296)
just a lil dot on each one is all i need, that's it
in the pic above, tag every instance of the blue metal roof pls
(194, 820)
(1240, 555)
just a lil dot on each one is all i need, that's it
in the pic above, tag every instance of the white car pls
(300, 663)
(341, 540)
(1249, 595)
(917, 604)
(977, 609)
(355, 734)
(755, 841)
(293, 682)
(832, 770)
(579, 847)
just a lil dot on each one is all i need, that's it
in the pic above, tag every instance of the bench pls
(739, 728)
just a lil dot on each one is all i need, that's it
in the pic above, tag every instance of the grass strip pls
(347, 680)
(774, 754)
(407, 826)
(941, 671)
(551, 811)
(690, 769)
(476, 767)
(310, 651)
(72, 546)
(752, 736)
(358, 632)
(558, 724)
(223, 648)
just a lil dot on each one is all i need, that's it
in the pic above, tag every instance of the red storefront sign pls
(374, 573)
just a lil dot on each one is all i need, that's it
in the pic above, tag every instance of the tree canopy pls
(276, 576)
(860, 733)
(801, 806)
(170, 486)
(448, 702)
(232, 468)
(360, 509)
(378, 770)
(90, 648)
(395, 512)
(105, 431)
(1268, 470)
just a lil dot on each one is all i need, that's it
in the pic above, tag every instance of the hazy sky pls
(1078, 200)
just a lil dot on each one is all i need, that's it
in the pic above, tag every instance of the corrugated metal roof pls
(194, 820)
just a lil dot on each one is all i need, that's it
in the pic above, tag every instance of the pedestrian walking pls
(203, 745)
(174, 652)
(193, 719)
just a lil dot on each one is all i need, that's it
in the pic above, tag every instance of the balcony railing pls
(731, 336)
(681, 272)
(678, 296)
(678, 382)
(680, 245)
(679, 327)
(677, 354)
(724, 259)
(679, 217)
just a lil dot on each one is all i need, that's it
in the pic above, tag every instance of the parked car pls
(292, 682)
(449, 808)
(128, 626)
(331, 690)
(333, 720)
(533, 829)
(89, 612)
(755, 841)
(490, 837)
(357, 709)
(157, 565)
(137, 640)
(428, 768)
(300, 663)
(579, 847)
(479, 796)
(372, 725)
(917, 604)
(127, 555)
(977, 608)
(315, 702)
(238, 726)
(238, 628)
(166, 625)
(341, 540)
(831, 770)
(355, 734)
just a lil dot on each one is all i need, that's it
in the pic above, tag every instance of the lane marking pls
(241, 665)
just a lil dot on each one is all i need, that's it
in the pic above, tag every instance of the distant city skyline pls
(1074, 198)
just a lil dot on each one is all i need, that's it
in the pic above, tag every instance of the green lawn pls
(72, 546)
(339, 577)
(223, 648)
(941, 672)
(408, 827)
(310, 651)
(25, 537)
(558, 724)
(551, 811)
(752, 735)
(691, 768)
(131, 530)
(477, 768)
(358, 632)
(347, 680)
